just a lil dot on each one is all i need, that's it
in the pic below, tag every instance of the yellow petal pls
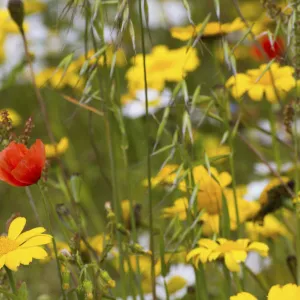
(12, 260)
(256, 92)
(38, 240)
(29, 234)
(270, 94)
(16, 227)
(2, 261)
(261, 248)
(231, 263)
(243, 296)
(210, 244)
(26, 255)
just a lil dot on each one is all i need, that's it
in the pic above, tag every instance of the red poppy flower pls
(20, 166)
(272, 49)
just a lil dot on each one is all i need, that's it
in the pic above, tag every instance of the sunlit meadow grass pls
(149, 149)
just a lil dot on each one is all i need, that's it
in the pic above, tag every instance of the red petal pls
(9, 159)
(29, 170)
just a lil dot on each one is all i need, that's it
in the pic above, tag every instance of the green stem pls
(259, 279)
(45, 202)
(11, 280)
(7, 294)
(275, 144)
(201, 287)
(147, 130)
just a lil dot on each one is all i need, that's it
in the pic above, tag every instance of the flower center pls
(230, 246)
(266, 79)
(175, 284)
(7, 245)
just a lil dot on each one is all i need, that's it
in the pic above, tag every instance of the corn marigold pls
(163, 65)
(53, 150)
(257, 83)
(289, 291)
(20, 248)
(243, 296)
(233, 252)
(209, 29)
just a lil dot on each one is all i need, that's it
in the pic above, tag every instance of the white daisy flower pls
(177, 281)
(136, 108)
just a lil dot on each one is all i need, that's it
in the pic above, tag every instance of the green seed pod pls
(16, 10)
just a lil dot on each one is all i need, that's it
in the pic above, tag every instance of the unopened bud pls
(109, 282)
(65, 277)
(16, 10)
(88, 289)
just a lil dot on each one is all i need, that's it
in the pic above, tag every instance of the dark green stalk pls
(46, 201)
(11, 280)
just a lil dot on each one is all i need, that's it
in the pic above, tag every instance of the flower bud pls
(88, 289)
(16, 10)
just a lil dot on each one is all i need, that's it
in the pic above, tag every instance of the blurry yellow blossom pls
(162, 65)
(213, 148)
(233, 252)
(61, 247)
(166, 175)
(34, 6)
(211, 221)
(243, 296)
(271, 228)
(97, 243)
(58, 78)
(210, 29)
(211, 184)
(21, 248)
(55, 150)
(259, 83)
(179, 209)
(94, 58)
(263, 199)
(289, 291)
(14, 116)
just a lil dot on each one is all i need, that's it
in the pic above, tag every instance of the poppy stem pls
(45, 201)
(11, 280)
(33, 206)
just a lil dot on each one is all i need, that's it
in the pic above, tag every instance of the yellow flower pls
(213, 148)
(179, 209)
(93, 58)
(233, 252)
(162, 65)
(210, 29)
(14, 116)
(263, 199)
(243, 296)
(271, 228)
(211, 221)
(97, 243)
(57, 149)
(166, 175)
(259, 83)
(20, 248)
(289, 291)
(33, 6)
(211, 186)
(58, 78)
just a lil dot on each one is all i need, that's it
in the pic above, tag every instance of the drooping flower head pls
(20, 166)
(20, 248)
(233, 252)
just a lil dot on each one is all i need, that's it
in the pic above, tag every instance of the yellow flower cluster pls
(162, 65)
(209, 29)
